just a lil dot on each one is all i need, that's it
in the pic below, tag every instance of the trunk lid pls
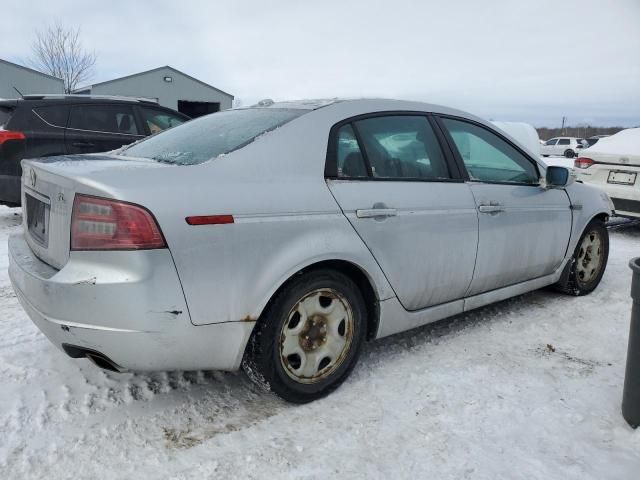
(49, 186)
(623, 148)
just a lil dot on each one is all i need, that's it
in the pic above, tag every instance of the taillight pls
(6, 135)
(583, 162)
(103, 224)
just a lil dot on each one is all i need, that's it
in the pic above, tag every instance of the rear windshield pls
(5, 115)
(207, 137)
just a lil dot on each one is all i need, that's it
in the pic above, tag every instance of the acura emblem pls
(32, 177)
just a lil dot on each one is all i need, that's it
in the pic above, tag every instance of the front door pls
(395, 186)
(524, 229)
(549, 147)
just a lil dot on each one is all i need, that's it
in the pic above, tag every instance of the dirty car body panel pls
(194, 303)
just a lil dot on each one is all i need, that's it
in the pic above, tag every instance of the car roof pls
(363, 104)
(336, 110)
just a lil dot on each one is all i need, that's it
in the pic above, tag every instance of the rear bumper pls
(626, 198)
(128, 306)
(10, 189)
(625, 207)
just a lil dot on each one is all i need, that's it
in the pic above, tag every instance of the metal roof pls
(31, 70)
(151, 71)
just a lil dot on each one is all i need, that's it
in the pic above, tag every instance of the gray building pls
(169, 87)
(26, 80)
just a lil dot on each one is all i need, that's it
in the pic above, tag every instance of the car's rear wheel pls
(569, 153)
(308, 340)
(589, 261)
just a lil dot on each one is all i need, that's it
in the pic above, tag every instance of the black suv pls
(46, 125)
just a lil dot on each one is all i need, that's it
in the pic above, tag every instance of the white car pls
(524, 133)
(564, 146)
(613, 164)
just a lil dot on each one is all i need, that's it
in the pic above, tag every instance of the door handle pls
(83, 144)
(491, 208)
(376, 212)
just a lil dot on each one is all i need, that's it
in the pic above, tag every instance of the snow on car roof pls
(625, 142)
(307, 104)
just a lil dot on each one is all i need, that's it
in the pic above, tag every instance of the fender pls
(587, 202)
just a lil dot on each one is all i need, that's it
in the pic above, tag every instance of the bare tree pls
(58, 52)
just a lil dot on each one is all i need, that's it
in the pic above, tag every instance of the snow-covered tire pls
(569, 153)
(308, 339)
(589, 261)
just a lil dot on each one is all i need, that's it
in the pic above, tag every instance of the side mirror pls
(558, 177)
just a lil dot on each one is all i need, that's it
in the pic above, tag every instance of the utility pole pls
(564, 119)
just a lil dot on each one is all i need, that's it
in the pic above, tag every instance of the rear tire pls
(589, 261)
(308, 340)
(569, 153)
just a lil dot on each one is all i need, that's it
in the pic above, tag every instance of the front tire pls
(309, 338)
(589, 261)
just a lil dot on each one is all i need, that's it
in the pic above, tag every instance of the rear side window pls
(402, 146)
(563, 141)
(5, 115)
(207, 137)
(103, 118)
(55, 115)
(350, 161)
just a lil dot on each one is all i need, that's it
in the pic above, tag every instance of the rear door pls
(101, 127)
(524, 229)
(46, 130)
(393, 182)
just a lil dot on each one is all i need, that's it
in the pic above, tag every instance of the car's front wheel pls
(308, 339)
(589, 261)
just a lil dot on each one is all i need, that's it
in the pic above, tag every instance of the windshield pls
(207, 137)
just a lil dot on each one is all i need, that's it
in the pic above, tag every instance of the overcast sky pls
(532, 61)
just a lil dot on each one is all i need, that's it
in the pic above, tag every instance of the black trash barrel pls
(631, 393)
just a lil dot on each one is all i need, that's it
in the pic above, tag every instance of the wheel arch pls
(356, 273)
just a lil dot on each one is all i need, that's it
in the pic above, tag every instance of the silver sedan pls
(282, 236)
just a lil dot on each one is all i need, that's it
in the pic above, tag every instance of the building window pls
(168, 79)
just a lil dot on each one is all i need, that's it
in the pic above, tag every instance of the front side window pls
(158, 120)
(489, 158)
(207, 137)
(402, 146)
(551, 142)
(103, 118)
(563, 141)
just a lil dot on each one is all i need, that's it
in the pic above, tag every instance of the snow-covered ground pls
(528, 388)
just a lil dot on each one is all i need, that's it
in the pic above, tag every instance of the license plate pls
(38, 220)
(621, 177)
